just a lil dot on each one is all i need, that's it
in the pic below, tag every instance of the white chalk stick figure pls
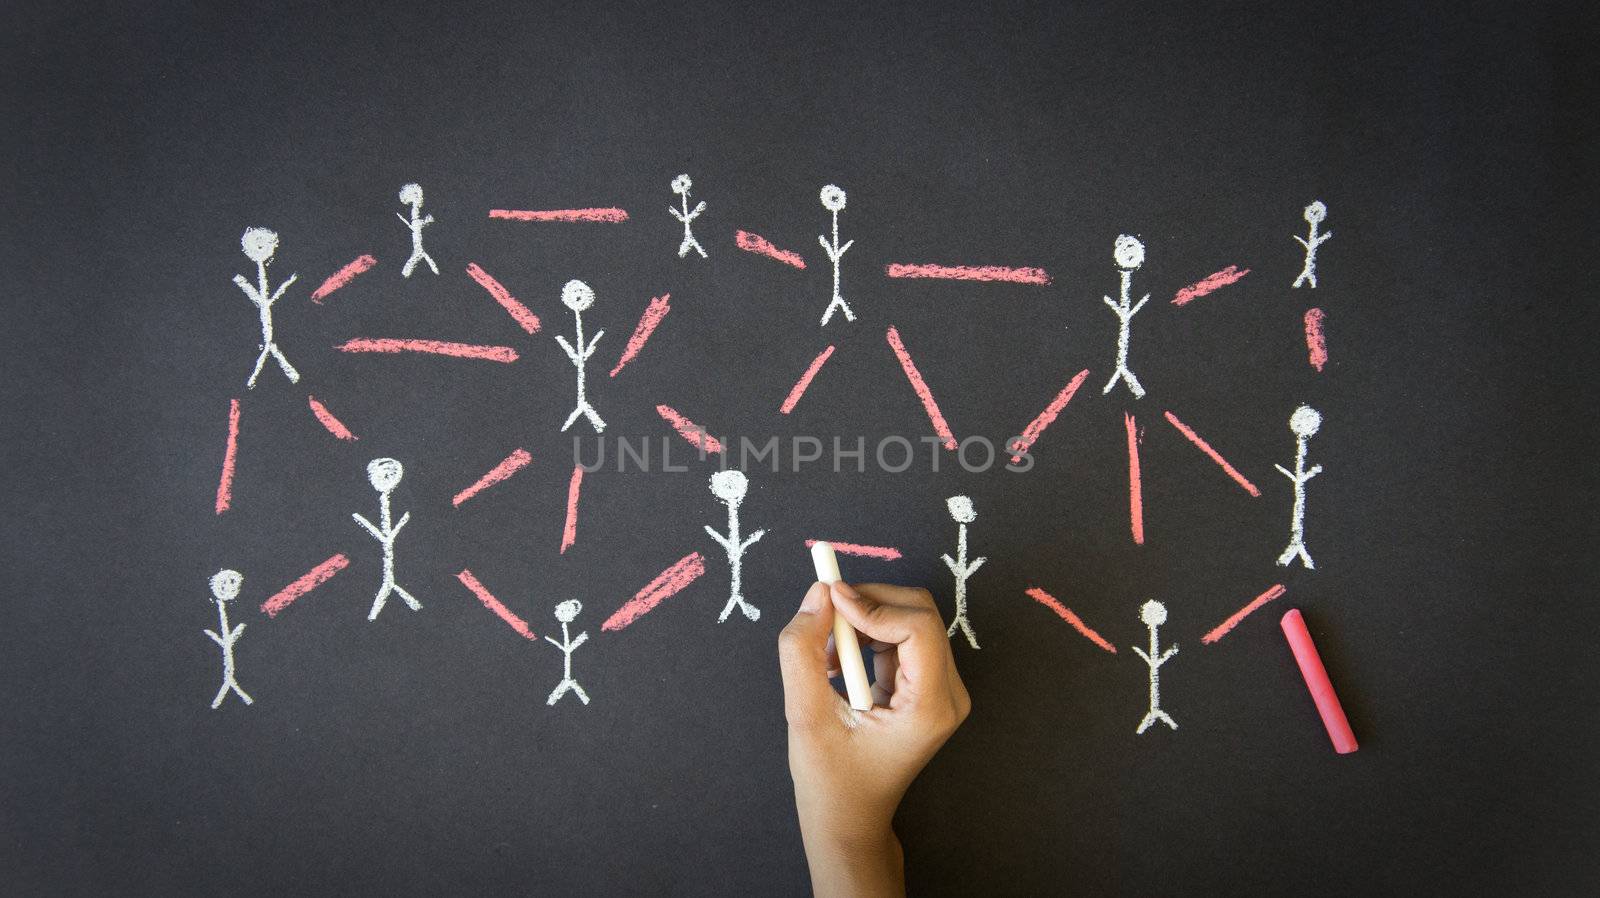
(833, 199)
(259, 245)
(578, 296)
(730, 487)
(224, 589)
(385, 474)
(566, 612)
(1304, 422)
(1314, 214)
(411, 195)
(1129, 255)
(961, 510)
(1154, 614)
(680, 186)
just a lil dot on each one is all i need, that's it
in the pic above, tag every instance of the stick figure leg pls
(583, 696)
(1151, 718)
(407, 598)
(288, 369)
(247, 699)
(261, 361)
(1296, 550)
(383, 596)
(560, 690)
(221, 694)
(750, 611)
(429, 259)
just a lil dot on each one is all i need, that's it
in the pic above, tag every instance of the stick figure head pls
(961, 509)
(1305, 421)
(411, 194)
(1128, 252)
(577, 295)
(729, 486)
(259, 243)
(1153, 613)
(833, 198)
(681, 185)
(1316, 212)
(225, 585)
(384, 473)
(567, 611)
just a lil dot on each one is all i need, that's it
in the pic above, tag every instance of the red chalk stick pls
(1305, 654)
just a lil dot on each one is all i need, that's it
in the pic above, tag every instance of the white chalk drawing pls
(1304, 422)
(833, 199)
(259, 245)
(385, 474)
(730, 487)
(1154, 614)
(224, 589)
(1129, 255)
(1314, 213)
(411, 195)
(680, 186)
(566, 612)
(578, 296)
(961, 510)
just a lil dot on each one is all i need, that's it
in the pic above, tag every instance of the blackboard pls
(417, 754)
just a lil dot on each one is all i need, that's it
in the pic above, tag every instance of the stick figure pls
(1154, 614)
(259, 245)
(411, 195)
(1304, 422)
(833, 200)
(566, 612)
(224, 589)
(1314, 213)
(1129, 255)
(385, 474)
(577, 296)
(961, 510)
(680, 186)
(730, 487)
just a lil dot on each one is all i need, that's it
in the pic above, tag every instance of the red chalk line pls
(511, 464)
(503, 354)
(605, 214)
(342, 277)
(799, 388)
(1066, 614)
(887, 553)
(331, 423)
(520, 313)
(1003, 273)
(1233, 620)
(1208, 284)
(1316, 342)
(1036, 427)
(920, 387)
(493, 604)
(1135, 490)
(569, 532)
(694, 433)
(308, 581)
(1214, 455)
(668, 583)
(761, 246)
(230, 458)
(653, 313)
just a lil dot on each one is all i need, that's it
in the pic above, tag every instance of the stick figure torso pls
(411, 195)
(259, 245)
(730, 487)
(1129, 255)
(224, 589)
(566, 612)
(385, 474)
(962, 512)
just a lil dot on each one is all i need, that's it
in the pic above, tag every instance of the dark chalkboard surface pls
(417, 753)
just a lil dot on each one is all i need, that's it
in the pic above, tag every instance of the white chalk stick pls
(844, 635)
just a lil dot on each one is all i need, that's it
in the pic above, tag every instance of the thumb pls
(808, 697)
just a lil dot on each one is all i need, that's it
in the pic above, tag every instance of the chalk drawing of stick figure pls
(259, 245)
(1304, 422)
(578, 296)
(385, 474)
(730, 487)
(1129, 255)
(566, 612)
(833, 199)
(411, 195)
(680, 186)
(961, 510)
(1314, 213)
(224, 589)
(1154, 614)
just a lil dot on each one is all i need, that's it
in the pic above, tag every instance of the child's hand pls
(851, 768)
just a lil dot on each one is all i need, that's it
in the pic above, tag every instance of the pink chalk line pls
(495, 605)
(1316, 343)
(520, 313)
(921, 388)
(503, 354)
(230, 457)
(1066, 614)
(569, 533)
(761, 246)
(887, 553)
(800, 385)
(1208, 284)
(343, 276)
(694, 433)
(511, 464)
(668, 583)
(1215, 456)
(969, 273)
(308, 581)
(1135, 492)
(1035, 427)
(653, 313)
(612, 215)
(333, 424)
(1233, 621)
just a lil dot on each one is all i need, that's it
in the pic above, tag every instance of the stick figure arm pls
(554, 643)
(1323, 238)
(571, 353)
(827, 247)
(676, 214)
(723, 541)
(846, 248)
(400, 523)
(1315, 470)
(1115, 306)
(589, 350)
(754, 537)
(1287, 473)
(1138, 305)
(580, 640)
(1140, 652)
(216, 639)
(698, 208)
(972, 566)
(249, 289)
(427, 220)
(951, 564)
(403, 220)
(1302, 241)
(376, 533)
(235, 634)
(1166, 655)
(282, 287)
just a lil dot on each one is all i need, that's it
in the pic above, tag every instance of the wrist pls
(855, 861)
